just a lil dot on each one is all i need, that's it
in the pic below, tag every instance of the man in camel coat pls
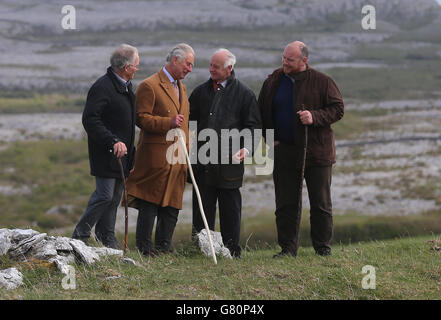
(156, 185)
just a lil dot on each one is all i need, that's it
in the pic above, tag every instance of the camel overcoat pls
(155, 178)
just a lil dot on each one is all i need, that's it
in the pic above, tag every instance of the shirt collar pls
(124, 82)
(172, 80)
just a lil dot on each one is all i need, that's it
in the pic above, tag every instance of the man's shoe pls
(113, 245)
(323, 252)
(284, 253)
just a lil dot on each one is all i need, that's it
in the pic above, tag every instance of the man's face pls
(182, 67)
(130, 69)
(217, 71)
(292, 61)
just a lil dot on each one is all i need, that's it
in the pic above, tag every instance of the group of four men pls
(292, 97)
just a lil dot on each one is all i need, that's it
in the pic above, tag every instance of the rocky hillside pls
(24, 17)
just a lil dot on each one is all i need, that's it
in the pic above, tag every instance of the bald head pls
(299, 46)
(295, 57)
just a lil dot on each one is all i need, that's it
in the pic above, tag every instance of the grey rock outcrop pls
(5, 241)
(219, 248)
(10, 278)
(22, 245)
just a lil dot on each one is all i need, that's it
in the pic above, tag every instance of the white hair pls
(180, 51)
(124, 54)
(230, 58)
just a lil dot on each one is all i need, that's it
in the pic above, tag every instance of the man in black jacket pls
(109, 120)
(222, 104)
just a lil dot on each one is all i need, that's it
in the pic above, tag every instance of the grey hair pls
(180, 51)
(123, 55)
(231, 58)
(304, 51)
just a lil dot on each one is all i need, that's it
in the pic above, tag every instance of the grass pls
(34, 103)
(397, 83)
(404, 269)
(57, 173)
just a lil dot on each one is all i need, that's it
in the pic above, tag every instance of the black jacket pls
(233, 107)
(109, 117)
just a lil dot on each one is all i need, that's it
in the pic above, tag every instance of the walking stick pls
(126, 219)
(302, 174)
(201, 208)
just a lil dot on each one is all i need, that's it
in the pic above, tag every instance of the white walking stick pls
(195, 186)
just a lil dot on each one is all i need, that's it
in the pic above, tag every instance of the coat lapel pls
(168, 88)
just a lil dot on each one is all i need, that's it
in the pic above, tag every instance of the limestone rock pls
(107, 251)
(62, 244)
(22, 244)
(5, 241)
(19, 235)
(130, 261)
(83, 252)
(44, 250)
(219, 248)
(10, 278)
(19, 250)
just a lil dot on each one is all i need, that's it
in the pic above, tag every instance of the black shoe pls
(112, 245)
(109, 242)
(236, 255)
(323, 252)
(284, 253)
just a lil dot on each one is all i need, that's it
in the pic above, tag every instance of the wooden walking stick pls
(302, 174)
(126, 218)
(201, 208)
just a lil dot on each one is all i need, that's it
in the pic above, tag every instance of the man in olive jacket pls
(109, 120)
(292, 97)
(223, 102)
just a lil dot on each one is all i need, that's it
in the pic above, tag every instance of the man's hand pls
(177, 121)
(240, 155)
(119, 149)
(305, 117)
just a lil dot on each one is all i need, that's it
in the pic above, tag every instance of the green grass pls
(57, 173)
(404, 269)
(34, 103)
(395, 83)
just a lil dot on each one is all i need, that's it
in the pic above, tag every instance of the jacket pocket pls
(232, 172)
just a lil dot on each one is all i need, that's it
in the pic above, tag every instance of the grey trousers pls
(101, 212)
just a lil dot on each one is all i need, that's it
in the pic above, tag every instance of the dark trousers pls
(167, 218)
(230, 206)
(287, 184)
(101, 212)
